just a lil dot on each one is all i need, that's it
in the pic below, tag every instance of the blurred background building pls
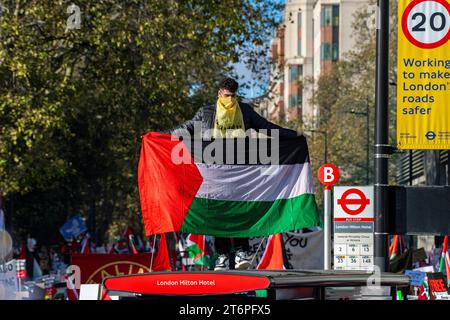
(313, 35)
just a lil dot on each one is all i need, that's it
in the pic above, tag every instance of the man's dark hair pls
(229, 84)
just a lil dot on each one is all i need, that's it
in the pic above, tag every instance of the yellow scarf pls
(229, 122)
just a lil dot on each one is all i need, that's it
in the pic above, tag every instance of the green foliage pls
(75, 102)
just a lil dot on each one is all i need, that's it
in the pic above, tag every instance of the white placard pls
(8, 280)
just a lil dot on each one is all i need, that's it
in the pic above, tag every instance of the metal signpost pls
(328, 175)
(382, 147)
(423, 90)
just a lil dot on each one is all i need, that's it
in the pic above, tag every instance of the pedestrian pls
(229, 118)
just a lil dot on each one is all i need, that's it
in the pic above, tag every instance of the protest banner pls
(304, 250)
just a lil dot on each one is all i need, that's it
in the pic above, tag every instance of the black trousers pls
(224, 245)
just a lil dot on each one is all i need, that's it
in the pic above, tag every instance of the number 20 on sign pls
(423, 74)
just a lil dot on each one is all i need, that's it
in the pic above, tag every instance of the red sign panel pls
(174, 283)
(95, 267)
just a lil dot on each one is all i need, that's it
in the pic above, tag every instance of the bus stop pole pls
(382, 148)
(327, 228)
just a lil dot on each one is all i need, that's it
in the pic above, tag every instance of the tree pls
(81, 83)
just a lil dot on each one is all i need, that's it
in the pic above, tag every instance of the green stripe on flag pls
(223, 218)
(197, 255)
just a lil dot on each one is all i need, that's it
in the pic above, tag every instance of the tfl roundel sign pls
(426, 23)
(353, 204)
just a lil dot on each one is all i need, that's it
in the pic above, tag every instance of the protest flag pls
(161, 257)
(196, 249)
(444, 252)
(192, 193)
(129, 237)
(393, 247)
(86, 245)
(131, 243)
(272, 258)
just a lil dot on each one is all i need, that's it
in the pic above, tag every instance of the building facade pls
(314, 34)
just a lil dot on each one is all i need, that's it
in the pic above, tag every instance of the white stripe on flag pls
(254, 182)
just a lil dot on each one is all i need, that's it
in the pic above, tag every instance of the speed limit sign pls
(426, 23)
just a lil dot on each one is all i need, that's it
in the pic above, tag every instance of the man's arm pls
(259, 123)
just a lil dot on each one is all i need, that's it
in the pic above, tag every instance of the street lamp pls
(326, 141)
(367, 115)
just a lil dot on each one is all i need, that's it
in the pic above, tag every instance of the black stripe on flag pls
(247, 151)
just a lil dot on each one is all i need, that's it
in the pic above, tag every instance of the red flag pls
(21, 262)
(131, 244)
(74, 247)
(23, 251)
(127, 233)
(272, 258)
(161, 260)
(129, 237)
(393, 248)
(422, 295)
(173, 252)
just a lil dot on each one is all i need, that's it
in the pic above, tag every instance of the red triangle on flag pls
(166, 191)
(272, 258)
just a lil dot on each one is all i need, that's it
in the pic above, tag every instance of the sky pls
(255, 90)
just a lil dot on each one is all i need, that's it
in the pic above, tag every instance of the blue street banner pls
(73, 228)
(417, 277)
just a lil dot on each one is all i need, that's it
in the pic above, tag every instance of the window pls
(293, 73)
(299, 36)
(329, 50)
(335, 52)
(326, 16)
(335, 15)
(295, 91)
(293, 101)
(325, 51)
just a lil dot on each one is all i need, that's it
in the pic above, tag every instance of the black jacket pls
(252, 120)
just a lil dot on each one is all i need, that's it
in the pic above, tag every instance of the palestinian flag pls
(226, 187)
(196, 249)
(444, 251)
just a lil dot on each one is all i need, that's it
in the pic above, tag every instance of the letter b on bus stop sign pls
(328, 175)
